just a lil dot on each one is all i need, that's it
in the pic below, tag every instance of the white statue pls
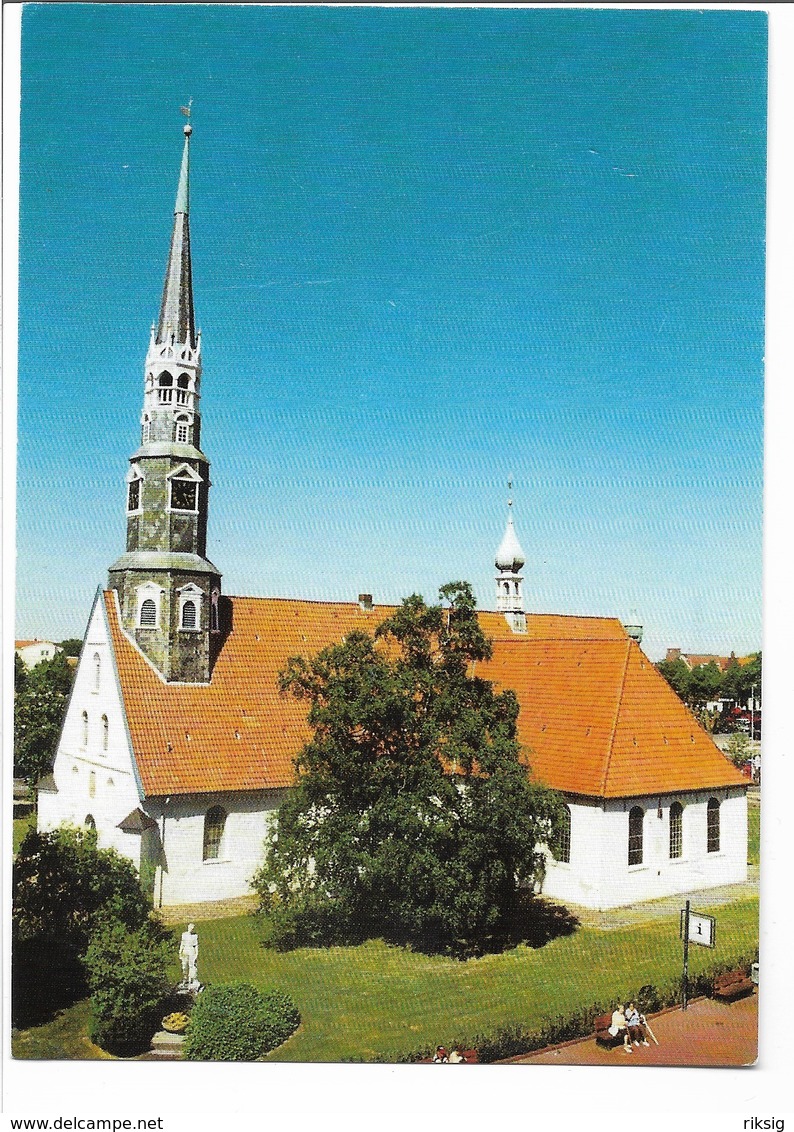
(188, 954)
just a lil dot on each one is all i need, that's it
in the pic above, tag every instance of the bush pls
(237, 1022)
(63, 887)
(127, 978)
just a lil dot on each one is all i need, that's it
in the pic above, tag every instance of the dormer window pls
(183, 489)
(190, 598)
(149, 598)
(181, 431)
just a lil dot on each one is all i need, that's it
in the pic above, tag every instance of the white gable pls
(94, 769)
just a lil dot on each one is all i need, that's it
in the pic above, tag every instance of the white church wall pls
(578, 880)
(93, 775)
(599, 875)
(187, 877)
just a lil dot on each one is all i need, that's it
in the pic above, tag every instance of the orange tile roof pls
(596, 717)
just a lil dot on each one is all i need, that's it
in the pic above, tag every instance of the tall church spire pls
(176, 308)
(168, 590)
(509, 583)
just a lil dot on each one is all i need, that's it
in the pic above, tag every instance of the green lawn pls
(361, 1002)
(65, 1038)
(21, 827)
(358, 1002)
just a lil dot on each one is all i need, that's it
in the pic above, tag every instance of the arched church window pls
(105, 732)
(84, 730)
(165, 391)
(92, 784)
(507, 587)
(181, 430)
(636, 817)
(676, 830)
(564, 851)
(515, 584)
(189, 615)
(713, 826)
(89, 822)
(214, 826)
(146, 433)
(97, 671)
(148, 614)
(182, 386)
(214, 619)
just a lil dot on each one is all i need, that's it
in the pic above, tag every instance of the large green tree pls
(40, 700)
(413, 817)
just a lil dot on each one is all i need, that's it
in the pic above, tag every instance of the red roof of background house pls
(596, 717)
(695, 660)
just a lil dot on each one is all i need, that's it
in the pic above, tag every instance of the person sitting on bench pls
(619, 1029)
(634, 1024)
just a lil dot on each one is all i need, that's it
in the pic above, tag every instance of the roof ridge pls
(618, 706)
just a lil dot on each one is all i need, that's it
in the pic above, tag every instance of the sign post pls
(698, 928)
(685, 976)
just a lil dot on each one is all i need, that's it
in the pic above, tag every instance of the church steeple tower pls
(168, 589)
(509, 583)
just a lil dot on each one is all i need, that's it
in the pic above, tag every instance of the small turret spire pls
(509, 560)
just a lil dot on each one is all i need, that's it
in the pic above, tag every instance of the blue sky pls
(431, 248)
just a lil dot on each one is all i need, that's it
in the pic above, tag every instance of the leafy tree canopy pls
(413, 817)
(40, 700)
(71, 646)
(707, 683)
(63, 885)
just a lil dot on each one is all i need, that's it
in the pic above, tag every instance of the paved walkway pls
(174, 914)
(667, 906)
(709, 1033)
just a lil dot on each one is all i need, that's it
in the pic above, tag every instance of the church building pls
(178, 748)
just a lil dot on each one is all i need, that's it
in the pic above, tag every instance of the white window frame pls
(149, 591)
(133, 474)
(191, 592)
(183, 472)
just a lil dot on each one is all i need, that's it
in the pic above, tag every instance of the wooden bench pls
(731, 985)
(602, 1034)
(470, 1057)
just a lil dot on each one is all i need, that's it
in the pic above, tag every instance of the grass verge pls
(753, 833)
(65, 1038)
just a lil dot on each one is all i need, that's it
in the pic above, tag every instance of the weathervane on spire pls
(188, 130)
(510, 490)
